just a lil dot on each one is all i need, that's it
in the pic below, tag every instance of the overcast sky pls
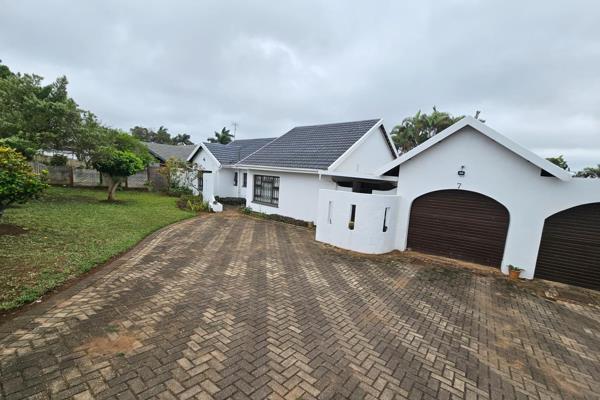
(531, 67)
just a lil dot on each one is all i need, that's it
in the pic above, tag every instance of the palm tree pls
(589, 172)
(222, 137)
(416, 129)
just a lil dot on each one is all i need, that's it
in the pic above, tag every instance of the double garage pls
(470, 226)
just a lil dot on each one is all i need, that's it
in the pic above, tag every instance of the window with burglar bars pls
(266, 189)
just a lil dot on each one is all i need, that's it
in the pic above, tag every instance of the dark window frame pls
(266, 190)
(245, 180)
(235, 178)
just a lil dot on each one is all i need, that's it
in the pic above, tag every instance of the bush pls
(18, 182)
(176, 190)
(23, 146)
(58, 160)
(192, 203)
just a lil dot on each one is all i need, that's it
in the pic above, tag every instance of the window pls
(266, 190)
(329, 211)
(201, 182)
(235, 176)
(352, 217)
(245, 181)
(385, 214)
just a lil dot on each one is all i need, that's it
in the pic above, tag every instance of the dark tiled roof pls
(231, 153)
(166, 151)
(310, 147)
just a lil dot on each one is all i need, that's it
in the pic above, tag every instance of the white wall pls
(368, 235)
(370, 155)
(496, 172)
(298, 194)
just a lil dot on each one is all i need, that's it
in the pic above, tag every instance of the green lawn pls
(69, 231)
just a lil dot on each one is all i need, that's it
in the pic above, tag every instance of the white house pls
(470, 193)
(221, 178)
(285, 176)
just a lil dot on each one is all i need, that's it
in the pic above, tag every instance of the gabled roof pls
(165, 151)
(228, 154)
(313, 147)
(490, 133)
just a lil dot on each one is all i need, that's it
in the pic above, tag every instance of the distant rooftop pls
(165, 151)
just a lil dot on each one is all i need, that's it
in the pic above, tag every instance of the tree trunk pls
(113, 184)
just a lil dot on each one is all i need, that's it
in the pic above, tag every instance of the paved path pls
(233, 307)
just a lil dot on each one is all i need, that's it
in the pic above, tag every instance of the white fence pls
(361, 222)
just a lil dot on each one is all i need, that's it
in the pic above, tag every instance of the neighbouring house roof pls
(490, 133)
(313, 147)
(231, 153)
(165, 151)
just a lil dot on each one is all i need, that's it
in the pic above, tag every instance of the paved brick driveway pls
(232, 307)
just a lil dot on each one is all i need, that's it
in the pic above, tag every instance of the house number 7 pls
(459, 185)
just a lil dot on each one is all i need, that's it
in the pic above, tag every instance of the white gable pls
(372, 151)
(485, 130)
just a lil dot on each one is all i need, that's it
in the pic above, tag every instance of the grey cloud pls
(531, 67)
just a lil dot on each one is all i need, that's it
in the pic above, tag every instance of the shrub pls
(23, 146)
(192, 203)
(176, 190)
(18, 182)
(58, 160)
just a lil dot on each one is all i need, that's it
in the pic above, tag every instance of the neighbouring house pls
(470, 193)
(284, 176)
(162, 152)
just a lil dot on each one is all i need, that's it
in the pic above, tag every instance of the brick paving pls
(233, 307)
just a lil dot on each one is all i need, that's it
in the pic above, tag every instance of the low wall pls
(372, 213)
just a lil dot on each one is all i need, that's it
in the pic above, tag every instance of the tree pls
(589, 172)
(559, 161)
(182, 138)
(160, 136)
(123, 155)
(116, 165)
(222, 137)
(18, 182)
(420, 127)
(23, 146)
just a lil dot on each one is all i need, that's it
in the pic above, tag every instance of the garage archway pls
(459, 224)
(570, 247)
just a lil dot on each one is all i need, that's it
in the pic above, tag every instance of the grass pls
(71, 230)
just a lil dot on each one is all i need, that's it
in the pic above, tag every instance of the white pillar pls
(523, 241)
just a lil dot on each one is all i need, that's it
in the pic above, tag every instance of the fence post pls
(71, 177)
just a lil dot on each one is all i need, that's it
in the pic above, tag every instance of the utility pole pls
(235, 125)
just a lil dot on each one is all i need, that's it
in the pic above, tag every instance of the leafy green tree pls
(417, 129)
(182, 138)
(42, 114)
(162, 136)
(116, 165)
(27, 148)
(589, 172)
(222, 137)
(18, 182)
(560, 162)
(122, 156)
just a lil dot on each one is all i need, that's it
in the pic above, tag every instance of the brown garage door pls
(459, 224)
(570, 247)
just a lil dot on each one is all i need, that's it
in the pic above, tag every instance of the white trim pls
(490, 133)
(280, 169)
(360, 141)
(195, 152)
(357, 175)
